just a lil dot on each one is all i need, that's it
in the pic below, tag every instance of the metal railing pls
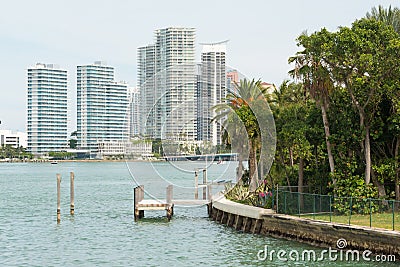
(380, 213)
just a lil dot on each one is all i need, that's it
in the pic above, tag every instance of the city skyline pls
(259, 46)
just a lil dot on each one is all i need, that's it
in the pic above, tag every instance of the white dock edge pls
(228, 206)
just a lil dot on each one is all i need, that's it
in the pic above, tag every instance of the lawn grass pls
(379, 220)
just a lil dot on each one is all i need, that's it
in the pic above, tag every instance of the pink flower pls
(261, 194)
(265, 181)
(270, 194)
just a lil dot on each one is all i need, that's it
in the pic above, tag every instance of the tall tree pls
(312, 68)
(245, 102)
(359, 60)
(391, 17)
(387, 16)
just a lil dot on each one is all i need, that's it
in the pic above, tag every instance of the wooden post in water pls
(204, 183)
(58, 198)
(196, 185)
(72, 196)
(138, 196)
(170, 206)
(209, 192)
(141, 213)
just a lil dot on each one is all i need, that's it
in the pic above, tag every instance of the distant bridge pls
(206, 157)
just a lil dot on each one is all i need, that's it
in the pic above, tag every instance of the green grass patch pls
(379, 220)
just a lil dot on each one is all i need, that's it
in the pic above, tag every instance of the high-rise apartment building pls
(102, 106)
(167, 82)
(47, 109)
(212, 91)
(149, 94)
(134, 112)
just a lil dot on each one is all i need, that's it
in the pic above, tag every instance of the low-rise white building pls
(139, 148)
(111, 148)
(13, 138)
(135, 148)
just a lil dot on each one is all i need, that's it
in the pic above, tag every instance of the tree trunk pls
(261, 170)
(379, 185)
(286, 173)
(239, 172)
(396, 180)
(367, 156)
(328, 143)
(301, 176)
(253, 172)
(366, 145)
(291, 157)
(301, 182)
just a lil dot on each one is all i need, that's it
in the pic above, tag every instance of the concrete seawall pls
(266, 222)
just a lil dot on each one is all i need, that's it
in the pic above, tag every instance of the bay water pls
(103, 231)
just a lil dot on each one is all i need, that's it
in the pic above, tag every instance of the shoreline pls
(317, 233)
(96, 160)
(81, 160)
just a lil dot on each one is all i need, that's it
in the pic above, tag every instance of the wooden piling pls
(169, 194)
(238, 222)
(196, 185)
(72, 196)
(204, 183)
(209, 194)
(170, 206)
(141, 194)
(138, 196)
(58, 198)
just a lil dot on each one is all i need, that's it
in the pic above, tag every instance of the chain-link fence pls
(380, 213)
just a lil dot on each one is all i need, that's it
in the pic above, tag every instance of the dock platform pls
(142, 204)
(168, 205)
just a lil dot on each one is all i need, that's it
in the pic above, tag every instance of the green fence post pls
(314, 208)
(351, 208)
(298, 201)
(284, 193)
(330, 208)
(370, 213)
(320, 202)
(273, 199)
(277, 198)
(393, 214)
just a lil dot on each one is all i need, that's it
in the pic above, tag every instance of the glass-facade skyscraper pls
(167, 83)
(134, 112)
(47, 109)
(212, 91)
(102, 106)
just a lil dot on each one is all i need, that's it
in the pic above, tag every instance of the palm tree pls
(235, 134)
(388, 16)
(311, 66)
(247, 94)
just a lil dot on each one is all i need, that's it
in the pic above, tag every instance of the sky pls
(262, 36)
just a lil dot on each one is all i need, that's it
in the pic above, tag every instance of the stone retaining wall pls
(263, 221)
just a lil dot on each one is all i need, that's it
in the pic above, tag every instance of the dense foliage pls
(338, 123)
(9, 152)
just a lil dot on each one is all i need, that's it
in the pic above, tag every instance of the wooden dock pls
(141, 204)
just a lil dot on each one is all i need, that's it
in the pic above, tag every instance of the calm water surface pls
(103, 232)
